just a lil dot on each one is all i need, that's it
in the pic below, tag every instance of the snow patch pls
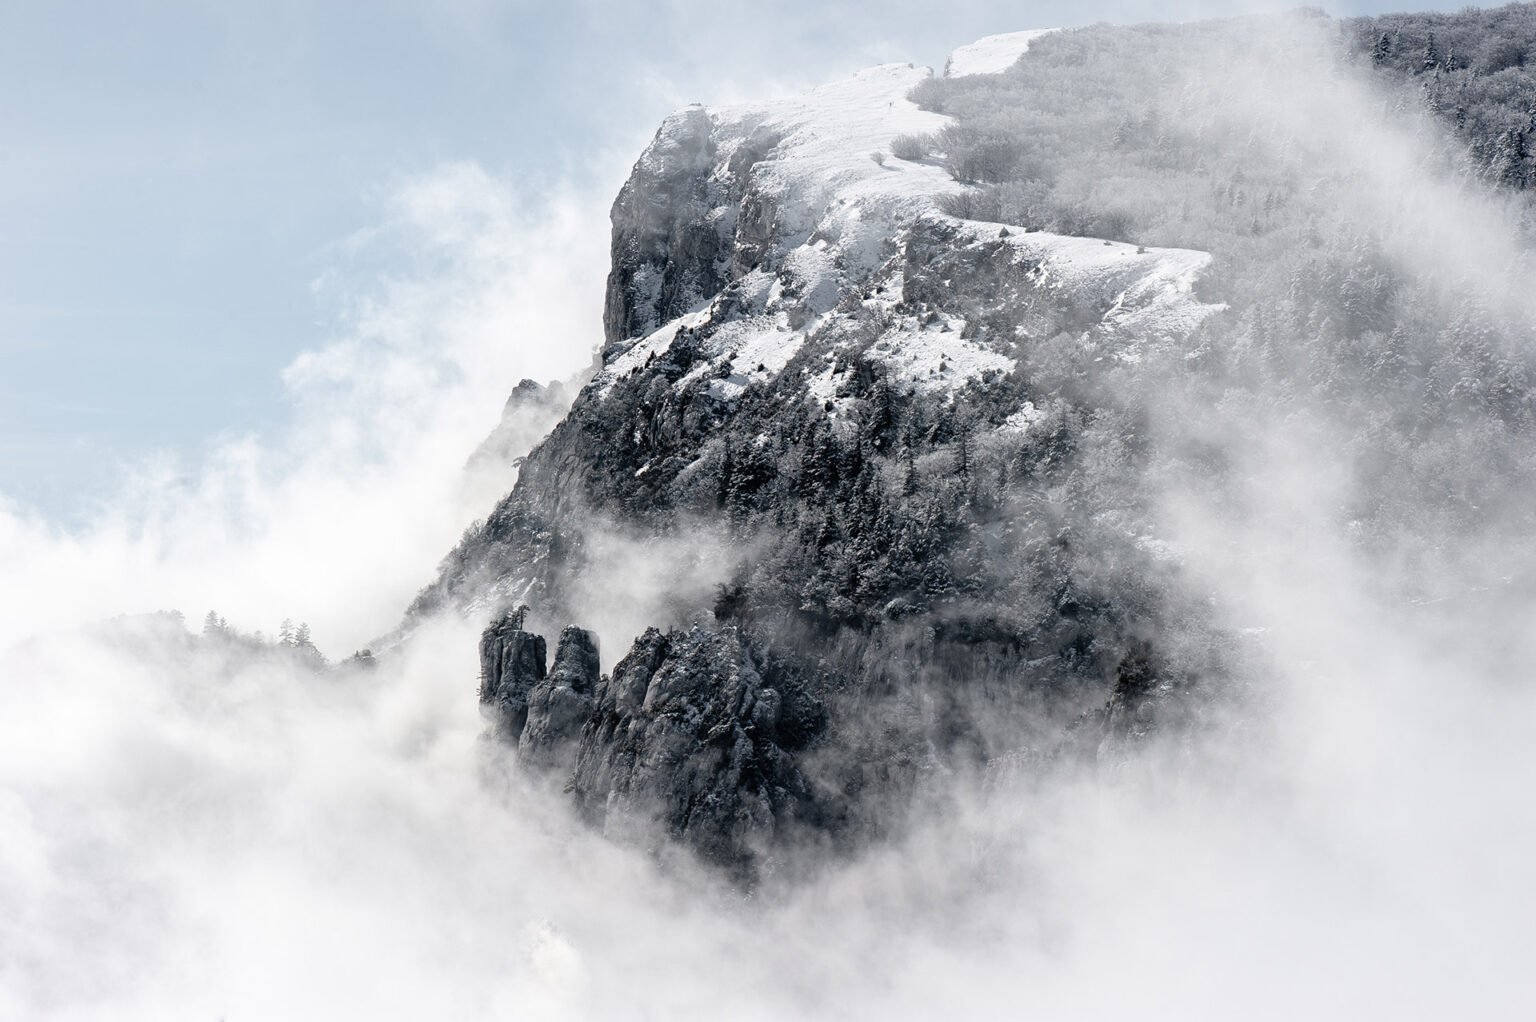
(1022, 420)
(756, 356)
(654, 344)
(1149, 291)
(823, 388)
(934, 358)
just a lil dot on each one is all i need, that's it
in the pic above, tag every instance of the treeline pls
(292, 640)
(1473, 69)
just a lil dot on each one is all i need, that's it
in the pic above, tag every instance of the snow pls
(655, 344)
(823, 172)
(824, 385)
(1150, 290)
(840, 203)
(992, 54)
(1022, 420)
(934, 358)
(756, 355)
(837, 205)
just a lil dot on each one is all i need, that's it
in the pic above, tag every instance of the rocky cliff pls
(865, 490)
(831, 397)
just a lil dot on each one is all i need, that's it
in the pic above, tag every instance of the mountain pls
(900, 380)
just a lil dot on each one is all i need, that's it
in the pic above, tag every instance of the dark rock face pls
(687, 738)
(559, 705)
(685, 225)
(686, 735)
(1130, 711)
(666, 255)
(511, 664)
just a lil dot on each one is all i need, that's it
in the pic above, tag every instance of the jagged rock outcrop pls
(560, 704)
(690, 735)
(512, 662)
(686, 739)
(532, 409)
(537, 708)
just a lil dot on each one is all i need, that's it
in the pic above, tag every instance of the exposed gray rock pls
(667, 252)
(532, 409)
(685, 224)
(559, 705)
(511, 664)
(685, 739)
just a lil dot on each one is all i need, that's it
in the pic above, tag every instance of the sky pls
(192, 195)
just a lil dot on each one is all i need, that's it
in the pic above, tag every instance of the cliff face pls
(670, 246)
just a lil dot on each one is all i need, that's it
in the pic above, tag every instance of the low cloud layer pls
(339, 517)
(208, 838)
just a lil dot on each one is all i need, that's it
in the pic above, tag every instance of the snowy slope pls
(836, 207)
(840, 203)
(992, 54)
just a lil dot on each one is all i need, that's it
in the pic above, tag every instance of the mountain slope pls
(882, 487)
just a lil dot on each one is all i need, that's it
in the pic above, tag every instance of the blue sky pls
(190, 192)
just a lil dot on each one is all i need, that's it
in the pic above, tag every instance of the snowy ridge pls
(840, 205)
(992, 54)
(836, 208)
(1151, 288)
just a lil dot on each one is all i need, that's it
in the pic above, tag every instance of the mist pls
(190, 831)
(338, 517)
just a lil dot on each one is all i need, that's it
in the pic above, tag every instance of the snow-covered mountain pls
(880, 484)
(791, 219)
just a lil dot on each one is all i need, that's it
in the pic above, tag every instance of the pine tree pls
(1510, 163)
(1382, 50)
(881, 414)
(727, 474)
(965, 449)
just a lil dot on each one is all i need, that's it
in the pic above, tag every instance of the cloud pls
(338, 517)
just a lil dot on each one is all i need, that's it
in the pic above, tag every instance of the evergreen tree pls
(1382, 50)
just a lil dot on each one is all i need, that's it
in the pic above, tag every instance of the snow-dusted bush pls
(912, 147)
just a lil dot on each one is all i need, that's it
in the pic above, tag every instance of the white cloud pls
(338, 518)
